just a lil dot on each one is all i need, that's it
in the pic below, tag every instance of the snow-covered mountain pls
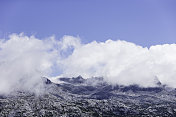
(90, 97)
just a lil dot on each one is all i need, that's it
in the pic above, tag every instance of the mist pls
(25, 59)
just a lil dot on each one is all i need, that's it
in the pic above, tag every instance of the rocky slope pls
(78, 97)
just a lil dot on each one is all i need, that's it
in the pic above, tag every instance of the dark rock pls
(79, 97)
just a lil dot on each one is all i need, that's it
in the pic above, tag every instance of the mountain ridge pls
(77, 97)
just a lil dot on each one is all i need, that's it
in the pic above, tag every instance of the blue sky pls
(144, 22)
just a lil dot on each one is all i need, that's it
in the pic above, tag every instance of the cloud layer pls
(125, 63)
(23, 60)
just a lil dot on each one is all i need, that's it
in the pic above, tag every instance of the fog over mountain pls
(25, 59)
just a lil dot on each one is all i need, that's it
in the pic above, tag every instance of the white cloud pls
(23, 60)
(121, 62)
(164, 63)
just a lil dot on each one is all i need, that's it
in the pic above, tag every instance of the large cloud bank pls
(24, 60)
(121, 62)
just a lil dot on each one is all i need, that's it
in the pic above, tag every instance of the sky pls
(143, 22)
(124, 41)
